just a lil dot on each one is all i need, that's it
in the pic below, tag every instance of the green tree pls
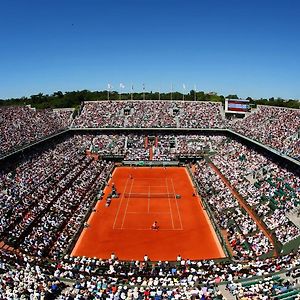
(232, 97)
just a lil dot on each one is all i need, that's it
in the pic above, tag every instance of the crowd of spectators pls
(268, 125)
(101, 114)
(292, 146)
(21, 184)
(266, 288)
(150, 114)
(276, 127)
(36, 214)
(91, 278)
(57, 215)
(271, 190)
(36, 193)
(165, 147)
(273, 126)
(22, 125)
(27, 191)
(111, 144)
(245, 238)
(136, 148)
(200, 115)
(26, 277)
(197, 144)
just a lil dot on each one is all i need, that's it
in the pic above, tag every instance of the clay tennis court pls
(147, 195)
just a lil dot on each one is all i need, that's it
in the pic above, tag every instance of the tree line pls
(73, 99)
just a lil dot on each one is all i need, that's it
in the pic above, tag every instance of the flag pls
(143, 86)
(132, 87)
(109, 86)
(195, 88)
(183, 86)
(122, 86)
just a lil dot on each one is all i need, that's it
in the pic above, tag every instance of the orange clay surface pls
(125, 226)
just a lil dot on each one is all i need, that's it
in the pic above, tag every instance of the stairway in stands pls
(7, 247)
(151, 153)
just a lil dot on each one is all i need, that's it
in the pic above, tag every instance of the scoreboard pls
(237, 106)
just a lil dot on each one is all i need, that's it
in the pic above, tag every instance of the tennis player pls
(155, 226)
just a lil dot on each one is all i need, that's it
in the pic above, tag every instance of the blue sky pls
(249, 48)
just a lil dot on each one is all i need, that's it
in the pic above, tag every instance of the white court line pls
(146, 195)
(132, 180)
(148, 178)
(148, 213)
(148, 229)
(170, 204)
(149, 199)
(177, 204)
(118, 211)
(146, 185)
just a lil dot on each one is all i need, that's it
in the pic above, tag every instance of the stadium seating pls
(276, 127)
(150, 114)
(269, 189)
(267, 125)
(23, 125)
(38, 226)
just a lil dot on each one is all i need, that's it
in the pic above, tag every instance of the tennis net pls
(151, 195)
